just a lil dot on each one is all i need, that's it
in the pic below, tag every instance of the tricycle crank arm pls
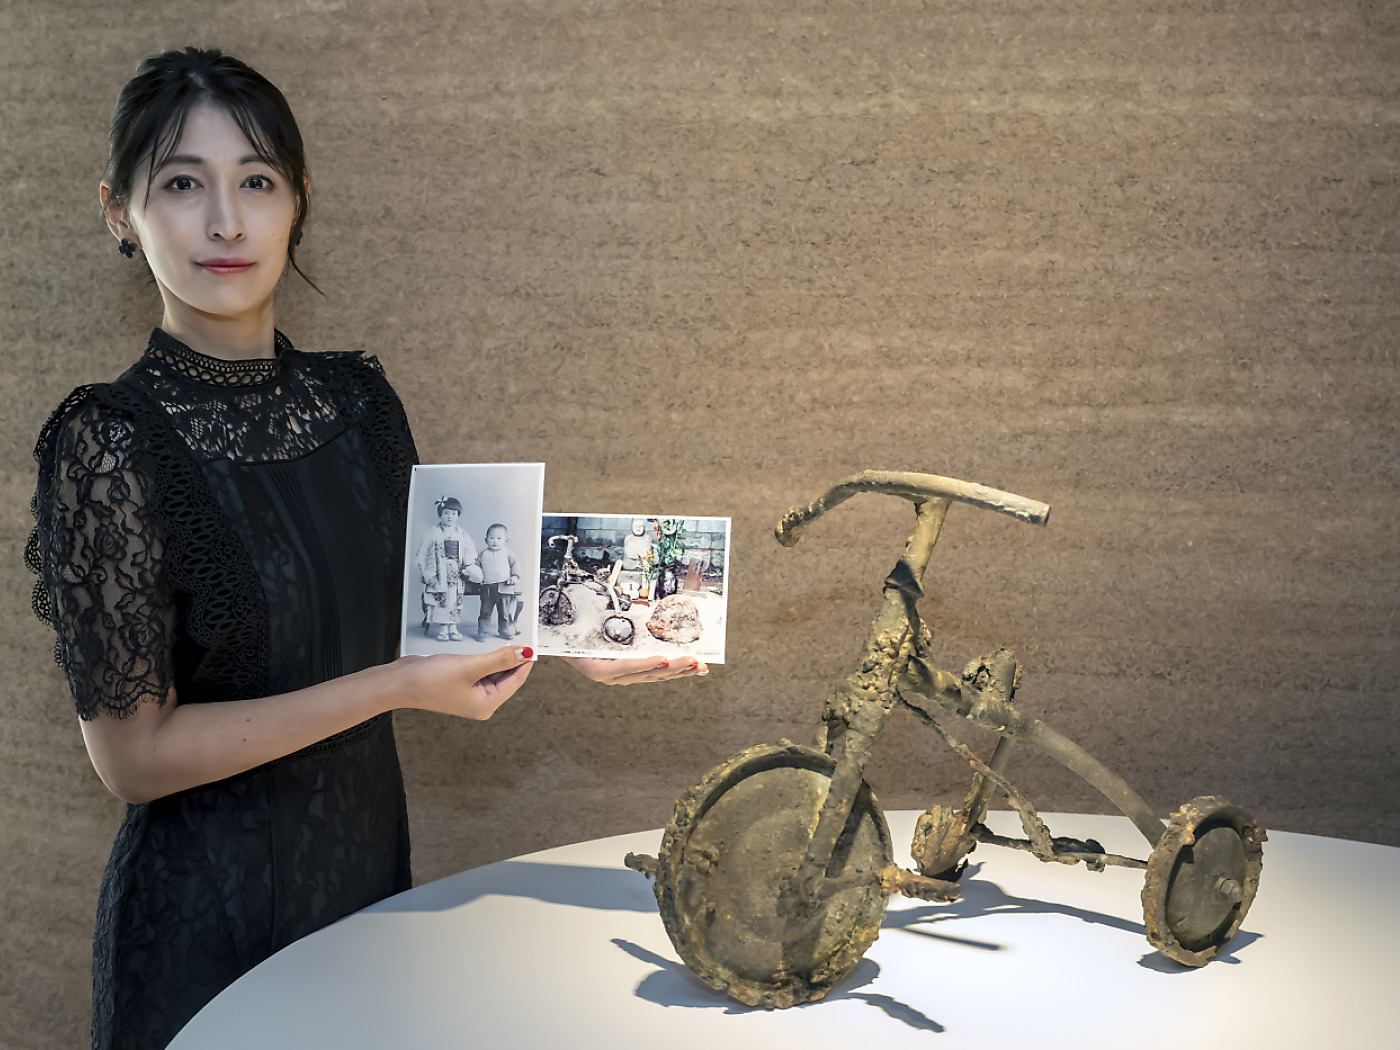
(891, 879)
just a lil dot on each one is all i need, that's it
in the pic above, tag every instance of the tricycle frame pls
(782, 926)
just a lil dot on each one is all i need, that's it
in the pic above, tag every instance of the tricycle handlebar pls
(917, 488)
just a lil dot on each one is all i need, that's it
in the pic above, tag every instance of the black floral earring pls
(126, 248)
(296, 235)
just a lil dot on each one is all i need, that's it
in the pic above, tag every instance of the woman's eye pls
(181, 183)
(259, 182)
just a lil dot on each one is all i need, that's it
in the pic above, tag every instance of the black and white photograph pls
(633, 585)
(471, 557)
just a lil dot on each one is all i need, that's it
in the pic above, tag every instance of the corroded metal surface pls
(942, 841)
(1201, 879)
(557, 609)
(774, 870)
(619, 629)
(917, 488)
(725, 879)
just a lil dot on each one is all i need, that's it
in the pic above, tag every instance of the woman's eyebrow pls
(190, 158)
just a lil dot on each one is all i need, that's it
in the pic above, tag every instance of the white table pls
(565, 948)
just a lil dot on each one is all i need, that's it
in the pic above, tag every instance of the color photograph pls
(633, 585)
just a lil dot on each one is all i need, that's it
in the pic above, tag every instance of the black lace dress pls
(231, 530)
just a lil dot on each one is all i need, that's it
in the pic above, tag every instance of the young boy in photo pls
(500, 584)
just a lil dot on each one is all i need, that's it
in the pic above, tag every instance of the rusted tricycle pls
(774, 871)
(555, 605)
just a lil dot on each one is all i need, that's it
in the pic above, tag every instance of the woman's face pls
(216, 225)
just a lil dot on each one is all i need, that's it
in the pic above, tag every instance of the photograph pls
(471, 557)
(633, 585)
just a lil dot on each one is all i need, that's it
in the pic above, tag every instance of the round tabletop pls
(565, 947)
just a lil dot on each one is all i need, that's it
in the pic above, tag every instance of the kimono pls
(444, 560)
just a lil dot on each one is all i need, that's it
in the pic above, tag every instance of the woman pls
(196, 522)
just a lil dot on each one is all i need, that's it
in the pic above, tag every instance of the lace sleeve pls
(98, 553)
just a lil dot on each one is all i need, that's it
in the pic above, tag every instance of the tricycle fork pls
(859, 707)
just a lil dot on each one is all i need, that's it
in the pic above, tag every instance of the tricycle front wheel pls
(555, 607)
(736, 838)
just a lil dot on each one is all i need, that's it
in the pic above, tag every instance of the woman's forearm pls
(157, 751)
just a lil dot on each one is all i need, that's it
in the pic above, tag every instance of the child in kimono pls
(446, 562)
(500, 585)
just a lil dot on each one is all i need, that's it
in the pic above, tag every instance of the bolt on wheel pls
(1201, 879)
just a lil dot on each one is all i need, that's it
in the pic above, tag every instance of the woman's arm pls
(158, 749)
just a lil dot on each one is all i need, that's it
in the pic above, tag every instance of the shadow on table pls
(620, 889)
(674, 985)
(1159, 962)
(980, 897)
(604, 889)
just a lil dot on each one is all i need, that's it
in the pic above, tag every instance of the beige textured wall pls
(1137, 259)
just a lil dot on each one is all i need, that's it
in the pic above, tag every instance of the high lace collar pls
(165, 349)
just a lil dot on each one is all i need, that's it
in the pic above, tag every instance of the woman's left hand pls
(636, 670)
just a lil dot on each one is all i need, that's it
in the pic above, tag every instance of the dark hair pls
(153, 105)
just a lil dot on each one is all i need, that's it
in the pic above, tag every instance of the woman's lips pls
(226, 267)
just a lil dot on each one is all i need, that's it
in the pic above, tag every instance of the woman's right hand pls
(467, 685)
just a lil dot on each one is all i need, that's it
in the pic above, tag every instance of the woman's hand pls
(635, 671)
(466, 685)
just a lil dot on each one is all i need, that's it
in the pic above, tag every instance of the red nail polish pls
(526, 653)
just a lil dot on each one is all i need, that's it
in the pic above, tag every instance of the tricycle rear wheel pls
(1201, 879)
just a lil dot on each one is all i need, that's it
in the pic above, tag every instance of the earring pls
(126, 248)
(296, 235)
